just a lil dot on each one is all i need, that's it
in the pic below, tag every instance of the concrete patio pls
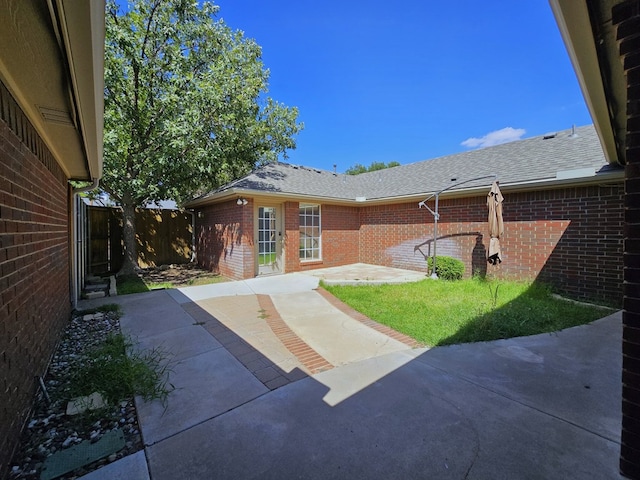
(274, 380)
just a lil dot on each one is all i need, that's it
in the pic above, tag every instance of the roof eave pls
(85, 51)
(589, 56)
(614, 176)
(60, 87)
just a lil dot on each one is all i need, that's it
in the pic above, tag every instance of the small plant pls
(127, 284)
(116, 375)
(447, 268)
(494, 295)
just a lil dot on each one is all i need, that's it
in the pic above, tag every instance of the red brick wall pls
(291, 237)
(224, 239)
(34, 266)
(401, 235)
(626, 18)
(340, 233)
(569, 237)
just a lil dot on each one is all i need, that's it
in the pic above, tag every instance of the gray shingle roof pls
(525, 161)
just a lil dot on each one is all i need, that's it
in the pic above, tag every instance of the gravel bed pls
(50, 429)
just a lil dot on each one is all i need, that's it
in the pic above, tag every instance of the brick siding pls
(224, 239)
(340, 227)
(570, 237)
(291, 236)
(626, 18)
(34, 266)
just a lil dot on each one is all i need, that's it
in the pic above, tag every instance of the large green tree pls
(185, 106)
(358, 168)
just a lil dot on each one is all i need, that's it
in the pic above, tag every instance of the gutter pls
(78, 246)
(561, 179)
(95, 182)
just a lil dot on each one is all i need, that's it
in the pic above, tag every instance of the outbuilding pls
(563, 216)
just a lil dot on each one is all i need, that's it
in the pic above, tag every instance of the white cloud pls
(496, 137)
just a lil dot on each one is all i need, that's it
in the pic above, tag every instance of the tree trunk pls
(130, 264)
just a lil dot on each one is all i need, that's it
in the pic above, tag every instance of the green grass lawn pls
(437, 312)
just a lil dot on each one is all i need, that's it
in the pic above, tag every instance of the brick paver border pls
(267, 372)
(312, 360)
(259, 365)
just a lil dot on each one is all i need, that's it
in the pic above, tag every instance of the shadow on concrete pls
(545, 406)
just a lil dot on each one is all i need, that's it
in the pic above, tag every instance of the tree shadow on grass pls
(534, 311)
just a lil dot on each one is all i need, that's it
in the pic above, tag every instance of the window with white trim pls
(310, 232)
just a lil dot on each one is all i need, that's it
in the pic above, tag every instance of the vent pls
(56, 116)
(549, 135)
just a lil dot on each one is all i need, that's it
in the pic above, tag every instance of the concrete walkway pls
(275, 380)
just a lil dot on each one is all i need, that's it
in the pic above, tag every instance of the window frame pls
(302, 226)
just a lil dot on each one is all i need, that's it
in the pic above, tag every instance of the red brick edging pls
(311, 359)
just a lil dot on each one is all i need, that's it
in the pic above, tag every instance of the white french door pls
(269, 243)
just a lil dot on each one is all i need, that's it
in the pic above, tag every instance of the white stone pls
(113, 290)
(91, 295)
(82, 404)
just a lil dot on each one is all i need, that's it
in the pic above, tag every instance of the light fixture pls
(241, 201)
(200, 214)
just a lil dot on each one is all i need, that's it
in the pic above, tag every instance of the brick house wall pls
(291, 236)
(570, 237)
(224, 239)
(340, 237)
(574, 237)
(626, 19)
(34, 266)
(340, 227)
(401, 235)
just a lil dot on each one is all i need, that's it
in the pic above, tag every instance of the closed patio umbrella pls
(496, 227)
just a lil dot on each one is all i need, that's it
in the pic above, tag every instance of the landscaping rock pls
(82, 404)
(92, 295)
(51, 430)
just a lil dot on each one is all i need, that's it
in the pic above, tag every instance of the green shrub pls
(447, 268)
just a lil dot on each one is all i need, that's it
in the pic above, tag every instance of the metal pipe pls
(193, 235)
(436, 215)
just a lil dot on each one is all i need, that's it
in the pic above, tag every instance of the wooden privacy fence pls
(163, 236)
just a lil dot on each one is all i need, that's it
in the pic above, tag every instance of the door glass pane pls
(267, 237)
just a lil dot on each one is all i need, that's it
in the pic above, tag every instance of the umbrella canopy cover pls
(496, 227)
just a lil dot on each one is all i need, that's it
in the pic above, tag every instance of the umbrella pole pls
(436, 215)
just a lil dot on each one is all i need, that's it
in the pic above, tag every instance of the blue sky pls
(411, 80)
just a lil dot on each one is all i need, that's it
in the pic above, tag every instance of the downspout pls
(79, 266)
(193, 235)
